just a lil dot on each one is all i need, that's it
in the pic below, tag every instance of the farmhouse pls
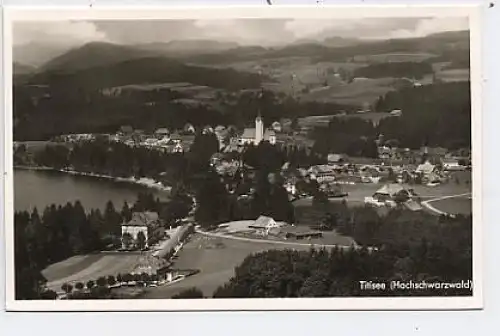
(426, 169)
(387, 195)
(265, 225)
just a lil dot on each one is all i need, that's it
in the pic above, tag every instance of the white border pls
(474, 12)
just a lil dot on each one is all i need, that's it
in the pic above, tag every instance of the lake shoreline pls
(143, 181)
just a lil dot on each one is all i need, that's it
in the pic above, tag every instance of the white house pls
(426, 169)
(452, 165)
(264, 224)
(140, 222)
(276, 126)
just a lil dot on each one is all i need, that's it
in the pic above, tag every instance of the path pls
(439, 212)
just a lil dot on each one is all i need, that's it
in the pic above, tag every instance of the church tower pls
(259, 129)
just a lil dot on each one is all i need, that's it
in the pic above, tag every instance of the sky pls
(266, 32)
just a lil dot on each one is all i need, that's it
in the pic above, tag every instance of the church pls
(257, 134)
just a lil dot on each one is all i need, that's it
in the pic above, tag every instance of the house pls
(297, 232)
(264, 224)
(426, 169)
(386, 195)
(189, 128)
(384, 152)
(219, 129)
(146, 222)
(322, 173)
(207, 129)
(434, 152)
(176, 137)
(126, 130)
(452, 164)
(336, 158)
(276, 126)
(396, 113)
(162, 133)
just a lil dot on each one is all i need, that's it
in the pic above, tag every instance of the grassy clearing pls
(216, 259)
(104, 264)
(69, 266)
(456, 205)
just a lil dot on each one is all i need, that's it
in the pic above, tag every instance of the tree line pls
(415, 70)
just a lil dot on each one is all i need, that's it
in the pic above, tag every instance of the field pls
(394, 57)
(360, 92)
(457, 205)
(90, 267)
(322, 121)
(216, 259)
(454, 75)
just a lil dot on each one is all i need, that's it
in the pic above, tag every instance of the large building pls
(257, 134)
(146, 222)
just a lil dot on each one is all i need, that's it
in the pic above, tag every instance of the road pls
(437, 211)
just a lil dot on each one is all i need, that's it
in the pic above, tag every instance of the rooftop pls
(146, 218)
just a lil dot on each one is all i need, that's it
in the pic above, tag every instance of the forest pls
(436, 115)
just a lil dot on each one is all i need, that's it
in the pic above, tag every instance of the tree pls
(101, 281)
(79, 286)
(401, 198)
(127, 277)
(392, 176)
(67, 288)
(178, 207)
(119, 278)
(90, 284)
(190, 293)
(112, 219)
(213, 200)
(111, 280)
(126, 213)
(127, 240)
(140, 241)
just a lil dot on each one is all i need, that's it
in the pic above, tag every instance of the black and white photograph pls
(221, 160)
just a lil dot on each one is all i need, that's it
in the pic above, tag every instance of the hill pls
(93, 55)
(337, 49)
(36, 53)
(142, 71)
(22, 69)
(183, 47)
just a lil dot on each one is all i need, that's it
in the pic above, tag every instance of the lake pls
(42, 188)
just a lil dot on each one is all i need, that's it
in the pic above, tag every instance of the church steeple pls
(259, 129)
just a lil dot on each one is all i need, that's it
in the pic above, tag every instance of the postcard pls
(243, 158)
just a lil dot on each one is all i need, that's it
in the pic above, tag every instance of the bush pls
(90, 284)
(190, 293)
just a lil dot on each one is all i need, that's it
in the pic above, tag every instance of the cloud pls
(243, 31)
(432, 25)
(59, 32)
